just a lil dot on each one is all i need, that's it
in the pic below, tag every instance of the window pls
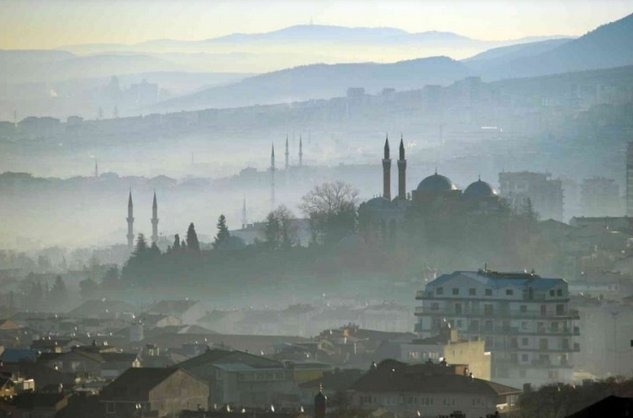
(523, 308)
(552, 293)
(472, 291)
(488, 292)
(553, 374)
(524, 341)
(509, 292)
(559, 292)
(524, 325)
(455, 291)
(435, 306)
(560, 309)
(489, 310)
(525, 358)
(439, 291)
(543, 344)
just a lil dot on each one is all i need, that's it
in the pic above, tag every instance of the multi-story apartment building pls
(544, 193)
(600, 197)
(524, 319)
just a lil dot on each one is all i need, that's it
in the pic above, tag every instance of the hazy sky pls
(52, 23)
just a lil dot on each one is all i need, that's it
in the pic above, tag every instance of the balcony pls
(571, 314)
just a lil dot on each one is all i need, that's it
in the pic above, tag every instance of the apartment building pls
(523, 318)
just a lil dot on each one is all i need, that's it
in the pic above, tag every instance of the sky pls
(40, 24)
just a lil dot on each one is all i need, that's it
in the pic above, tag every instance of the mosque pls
(435, 194)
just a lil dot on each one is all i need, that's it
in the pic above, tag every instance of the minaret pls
(402, 172)
(287, 154)
(130, 223)
(300, 152)
(386, 172)
(272, 176)
(96, 169)
(154, 220)
(244, 215)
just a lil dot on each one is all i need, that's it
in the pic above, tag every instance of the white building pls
(524, 319)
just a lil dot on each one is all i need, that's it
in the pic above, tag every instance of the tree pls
(88, 288)
(59, 293)
(141, 247)
(192, 239)
(331, 208)
(279, 231)
(223, 232)
(176, 245)
(110, 280)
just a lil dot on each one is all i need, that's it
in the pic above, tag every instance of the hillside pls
(608, 46)
(320, 81)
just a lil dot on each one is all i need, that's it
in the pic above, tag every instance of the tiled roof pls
(136, 381)
(392, 376)
(230, 359)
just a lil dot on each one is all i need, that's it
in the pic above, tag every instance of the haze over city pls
(316, 209)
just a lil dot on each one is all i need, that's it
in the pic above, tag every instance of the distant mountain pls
(493, 58)
(320, 81)
(52, 66)
(608, 46)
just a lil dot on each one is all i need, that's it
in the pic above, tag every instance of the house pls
(428, 390)
(611, 406)
(16, 355)
(158, 391)
(106, 364)
(186, 310)
(7, 387)
(237, 377)
(39, 405)
(104, 308)
(448, 346)
(54, 345)
(330, 384)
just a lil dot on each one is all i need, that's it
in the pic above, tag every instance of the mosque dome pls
(436, 183)
(378, 203)
(480, 189)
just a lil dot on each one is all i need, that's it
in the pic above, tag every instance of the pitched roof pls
(225, 358)
(14, 355)
(136, 381)
(393, 376)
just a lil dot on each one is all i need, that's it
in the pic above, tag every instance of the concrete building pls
(600, 197)
(429, 390)
(154, 392)
(240, 378)
(544, 193)
(448, 346)
(524, 320)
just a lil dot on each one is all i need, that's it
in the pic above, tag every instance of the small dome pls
(378, 203)
(436, 183)
(480, 189)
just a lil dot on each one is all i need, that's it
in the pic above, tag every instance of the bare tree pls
(331, 208)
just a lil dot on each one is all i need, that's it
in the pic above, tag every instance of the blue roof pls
(501, 280)
(15, 355)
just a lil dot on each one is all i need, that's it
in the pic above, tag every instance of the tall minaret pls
(272, 176)
(402, 172)
(287, 154)
(386, 172)
(130, 223)
(244, 215)
(96, 169)
(300, 152)
(154, 220)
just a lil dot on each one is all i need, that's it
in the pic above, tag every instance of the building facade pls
(544, 193)
(524, 320)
